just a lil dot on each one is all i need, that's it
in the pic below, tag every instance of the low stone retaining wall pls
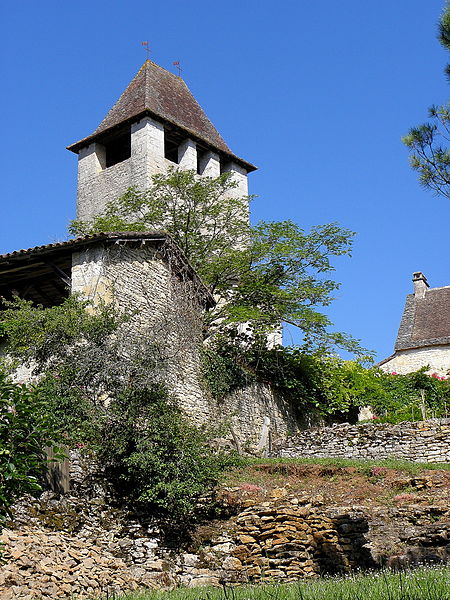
(56, 550)
(68, 546)
(424, 441)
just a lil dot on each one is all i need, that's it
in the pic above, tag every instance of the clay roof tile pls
(165, 96)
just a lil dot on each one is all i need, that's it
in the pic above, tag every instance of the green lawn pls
(361, 465)
(420, 584)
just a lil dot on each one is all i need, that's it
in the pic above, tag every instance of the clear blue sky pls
(317, 94)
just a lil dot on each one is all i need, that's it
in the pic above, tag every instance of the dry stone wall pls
(61, 547)
(424, 441)
(57, 548)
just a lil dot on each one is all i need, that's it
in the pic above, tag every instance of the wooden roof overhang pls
(44, 279)
(43, 274)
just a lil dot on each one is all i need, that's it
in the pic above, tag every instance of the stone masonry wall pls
(258, 415)
(407, 361)
(425, 441)
(98, 185)
(164, 310)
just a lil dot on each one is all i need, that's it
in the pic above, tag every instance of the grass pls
(420, 584)
(363, 466)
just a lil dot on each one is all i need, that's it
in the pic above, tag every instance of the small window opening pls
(118, 148)
(201, 160)
(171, 143)
(224, 166)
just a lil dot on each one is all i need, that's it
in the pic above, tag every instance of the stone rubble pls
(60, 547)
(56, 565)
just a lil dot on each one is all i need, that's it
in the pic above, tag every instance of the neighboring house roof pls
(165, 96)
(426, 320)
(50, 264)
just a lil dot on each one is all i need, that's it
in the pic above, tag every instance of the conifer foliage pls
(430, 155)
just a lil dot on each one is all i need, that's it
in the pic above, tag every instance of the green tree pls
(201, 214)
(262, 275)
(430, 155)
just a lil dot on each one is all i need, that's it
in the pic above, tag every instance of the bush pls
(153, 457)
(105, 392)
(324, 385)
(26, 427)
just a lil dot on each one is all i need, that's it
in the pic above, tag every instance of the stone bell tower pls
(156, 123)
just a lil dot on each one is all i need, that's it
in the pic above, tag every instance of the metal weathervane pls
(147, 49)
(176, 64)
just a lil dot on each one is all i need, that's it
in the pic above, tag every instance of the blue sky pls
(316, 94)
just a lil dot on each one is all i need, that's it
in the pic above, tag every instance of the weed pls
(420, 584)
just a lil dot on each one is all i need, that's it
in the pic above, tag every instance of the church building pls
(156, 123)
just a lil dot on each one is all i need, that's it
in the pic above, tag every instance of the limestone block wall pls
(425, 441)
(163, 309)
(98, 184)
(240, 177)
(407, 361)
(258, 415)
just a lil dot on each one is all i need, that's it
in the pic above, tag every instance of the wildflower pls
(250, 487)
(378, 471)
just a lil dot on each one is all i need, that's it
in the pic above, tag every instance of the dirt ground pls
(342, 486)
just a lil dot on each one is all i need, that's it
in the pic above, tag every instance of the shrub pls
(105, 392)
(325, 385)
(154, 457)
(26, 427)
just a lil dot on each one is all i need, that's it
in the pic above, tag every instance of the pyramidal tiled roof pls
(163, 95)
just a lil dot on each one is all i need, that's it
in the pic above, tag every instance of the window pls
(172, 139)
(117, 147)
(201, 160)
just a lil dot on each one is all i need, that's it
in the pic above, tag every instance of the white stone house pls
(423, 338)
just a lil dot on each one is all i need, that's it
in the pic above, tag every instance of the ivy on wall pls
(325, 385)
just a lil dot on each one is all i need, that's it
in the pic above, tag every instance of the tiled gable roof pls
(426, 320)
(166, 95)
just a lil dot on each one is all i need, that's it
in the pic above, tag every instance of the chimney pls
(420, 284)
